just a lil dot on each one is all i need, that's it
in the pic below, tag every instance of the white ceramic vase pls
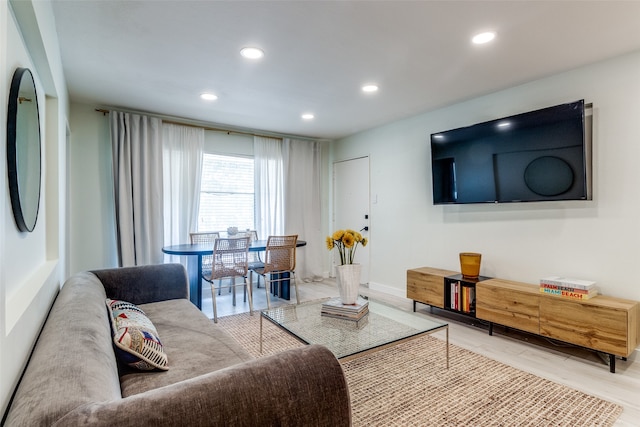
(348, 279)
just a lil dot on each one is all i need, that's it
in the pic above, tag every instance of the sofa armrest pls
(301, 387)
(145, 284)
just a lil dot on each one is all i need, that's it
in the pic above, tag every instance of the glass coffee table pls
(382, 327)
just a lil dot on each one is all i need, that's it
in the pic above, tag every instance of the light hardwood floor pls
(577, 368)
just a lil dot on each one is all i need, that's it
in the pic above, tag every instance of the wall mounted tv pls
(541, 155)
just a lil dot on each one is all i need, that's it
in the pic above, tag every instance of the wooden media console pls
(605, 324)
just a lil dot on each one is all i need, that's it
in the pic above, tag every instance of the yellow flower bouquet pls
(347, 242)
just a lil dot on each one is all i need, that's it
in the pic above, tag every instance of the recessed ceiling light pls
(208, 96)
(252, 52)
(483, 37)
(308, 116)
(369, 88)
(504, 125)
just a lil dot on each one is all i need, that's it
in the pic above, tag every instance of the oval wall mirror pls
(23, 150)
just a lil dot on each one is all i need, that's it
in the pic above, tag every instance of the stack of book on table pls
(335, 308)
(568, 288)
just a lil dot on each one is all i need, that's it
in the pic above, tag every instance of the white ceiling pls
(158, 56)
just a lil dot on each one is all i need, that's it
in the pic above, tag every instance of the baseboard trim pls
(401, 293)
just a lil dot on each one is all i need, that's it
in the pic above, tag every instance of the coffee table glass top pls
(383, 325)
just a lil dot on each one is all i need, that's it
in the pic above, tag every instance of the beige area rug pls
(409, 385)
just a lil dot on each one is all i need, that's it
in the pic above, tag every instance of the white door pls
(351, 205)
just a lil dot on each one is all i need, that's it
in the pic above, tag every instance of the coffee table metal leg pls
(447, 346)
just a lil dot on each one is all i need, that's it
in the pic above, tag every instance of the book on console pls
(568, 294)
(567, 289)
(567, 282)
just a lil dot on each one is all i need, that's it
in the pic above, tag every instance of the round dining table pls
(194, 253)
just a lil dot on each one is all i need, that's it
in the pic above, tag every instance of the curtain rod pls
(214, 129)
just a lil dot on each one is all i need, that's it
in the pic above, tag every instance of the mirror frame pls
(14, 164)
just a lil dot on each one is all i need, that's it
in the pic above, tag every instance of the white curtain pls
(182, 169)
(136, 142)
(269, 185)
(302, 210)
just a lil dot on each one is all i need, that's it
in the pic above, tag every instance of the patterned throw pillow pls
(136, 340)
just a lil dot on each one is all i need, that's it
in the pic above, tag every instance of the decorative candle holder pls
(470, 264)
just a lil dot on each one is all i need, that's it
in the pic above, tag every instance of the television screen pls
(536, 156)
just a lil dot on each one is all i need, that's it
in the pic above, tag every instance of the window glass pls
(226, 194)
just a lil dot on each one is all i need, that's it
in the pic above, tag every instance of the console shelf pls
(460, 294)
(605, 324)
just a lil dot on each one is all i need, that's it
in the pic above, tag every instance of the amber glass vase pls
(470, 264)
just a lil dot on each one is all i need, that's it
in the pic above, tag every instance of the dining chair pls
(279, 264)
(230, 260)
(206, 237)
(255, 261)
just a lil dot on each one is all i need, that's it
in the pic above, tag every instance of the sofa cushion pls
(136, 340)
(194, 344)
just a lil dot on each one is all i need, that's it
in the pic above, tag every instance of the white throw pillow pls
(136, 340)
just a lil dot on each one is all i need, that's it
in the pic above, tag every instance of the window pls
(227, 193)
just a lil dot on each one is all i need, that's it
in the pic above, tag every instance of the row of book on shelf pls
(335, 308)
(568, 288)
(462, 298)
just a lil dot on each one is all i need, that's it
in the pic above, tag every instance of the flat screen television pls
(536, 156)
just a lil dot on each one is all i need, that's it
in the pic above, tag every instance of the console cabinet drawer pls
(509, 304)
(601, 323)
(426, 285)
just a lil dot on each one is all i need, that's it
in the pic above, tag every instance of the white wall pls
(4, 92)
(31, 264)
(92, 235)
(594, 240)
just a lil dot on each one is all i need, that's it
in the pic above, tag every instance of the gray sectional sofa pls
(73, 377)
